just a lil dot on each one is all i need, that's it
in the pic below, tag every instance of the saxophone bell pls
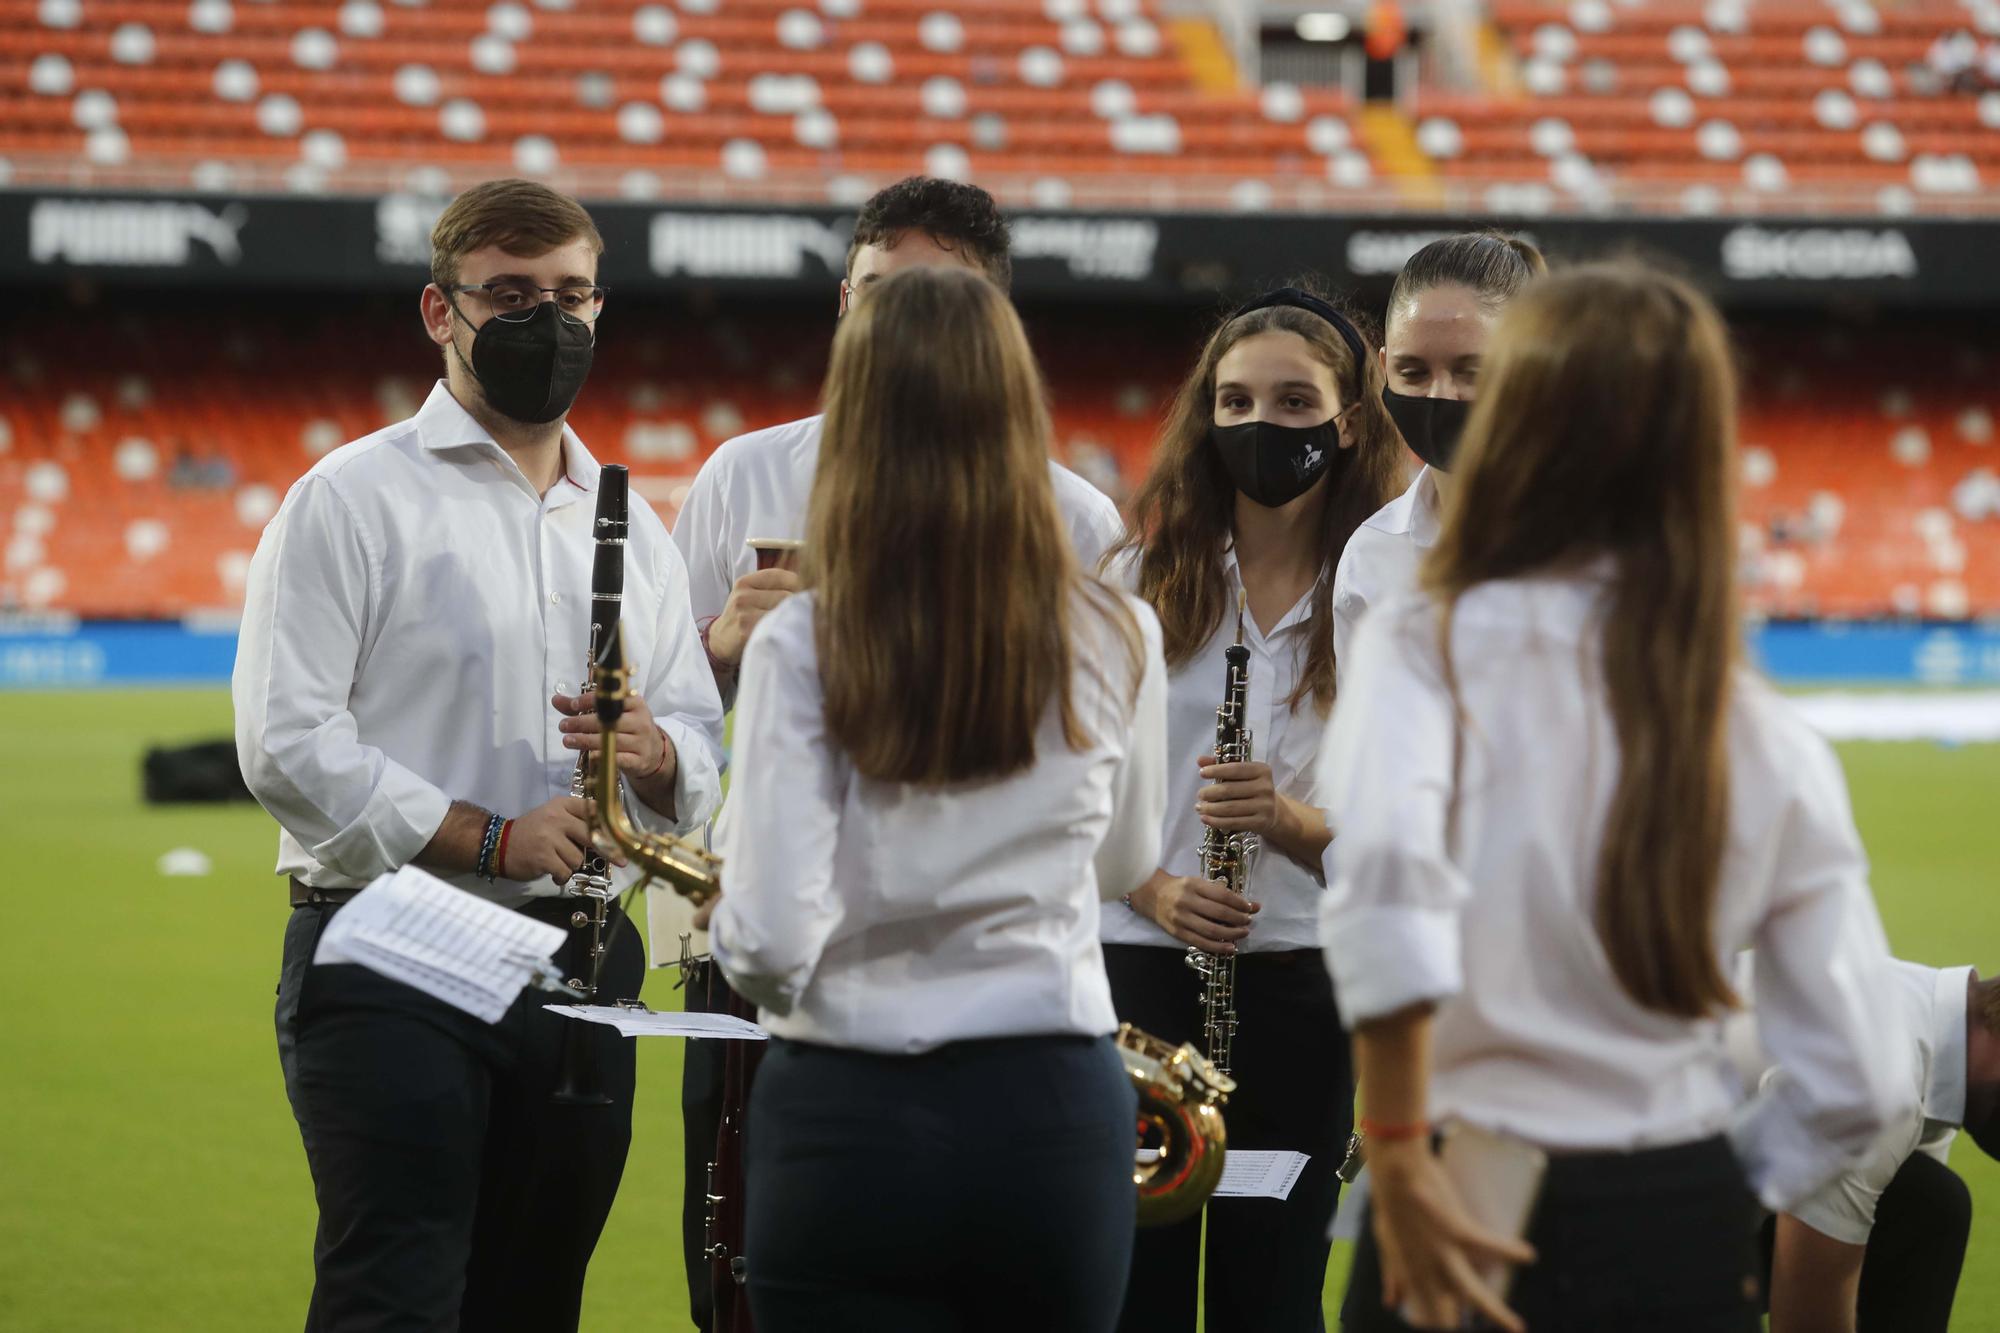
(1182, 1139)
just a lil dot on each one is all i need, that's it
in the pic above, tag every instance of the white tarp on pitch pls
(1952, 716)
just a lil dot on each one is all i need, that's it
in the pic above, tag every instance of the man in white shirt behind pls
(1878, 1250)
(408, 692)
(756, 485)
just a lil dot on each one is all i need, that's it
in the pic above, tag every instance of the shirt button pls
(555, 597)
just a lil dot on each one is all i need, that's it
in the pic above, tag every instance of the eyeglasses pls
(515, 300)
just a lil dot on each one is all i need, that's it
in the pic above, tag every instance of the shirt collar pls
(1944, 1099)
(1426, 507)
(1293, 618)
(443, 423)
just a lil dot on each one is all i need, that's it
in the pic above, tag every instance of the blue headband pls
(1303, 300)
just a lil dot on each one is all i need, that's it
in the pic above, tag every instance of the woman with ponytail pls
(1563, 807)
(1441, 312)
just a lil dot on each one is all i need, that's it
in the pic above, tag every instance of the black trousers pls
(707, 992)
(1266, 1258)
(986, 1185)
(1909, 1277)
(1662, 1241)
(453, 1193)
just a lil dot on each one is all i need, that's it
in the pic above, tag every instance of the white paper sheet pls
(1259, 1175)
(644, 1023)
(413, 927)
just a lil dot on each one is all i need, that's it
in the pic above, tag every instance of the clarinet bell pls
(577, 1081)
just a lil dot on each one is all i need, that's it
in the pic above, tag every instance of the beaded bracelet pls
(487, 844)
(500, 850)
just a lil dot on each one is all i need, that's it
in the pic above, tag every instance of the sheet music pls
(645, 1023)
(1259, 1175)
(414, 928)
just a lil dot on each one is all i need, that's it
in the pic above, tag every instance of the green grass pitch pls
(151, 1176)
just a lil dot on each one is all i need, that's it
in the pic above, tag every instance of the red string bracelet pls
(715, 663)
(666, 748)
(1375, 1129)
(500, 848)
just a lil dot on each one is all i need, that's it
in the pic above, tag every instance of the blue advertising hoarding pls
(55, 653)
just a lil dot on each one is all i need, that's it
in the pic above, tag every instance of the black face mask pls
(1273, 464)
(531, 371)
(1430, 426)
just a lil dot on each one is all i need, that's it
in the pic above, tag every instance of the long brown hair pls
(1185, 512)
(1605, 427)
(943, 571)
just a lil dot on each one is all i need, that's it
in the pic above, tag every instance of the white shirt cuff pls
(1786, 1161)
(1384, 959)
(697, 781)
(401, 817)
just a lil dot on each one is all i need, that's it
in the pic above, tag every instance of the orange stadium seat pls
(1869, 463)
(251, 95)
(1694, 96)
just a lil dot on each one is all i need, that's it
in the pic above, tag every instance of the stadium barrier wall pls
(382, 243)
(57, 653)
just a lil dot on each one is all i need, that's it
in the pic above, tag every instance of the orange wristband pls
(1381, 1133)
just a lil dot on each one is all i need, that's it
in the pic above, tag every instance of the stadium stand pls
(1869, 461)
(762, 99)
(1669, 103)
(1707, 105)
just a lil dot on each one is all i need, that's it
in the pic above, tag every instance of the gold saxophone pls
(1182, 1140)
(692, 871)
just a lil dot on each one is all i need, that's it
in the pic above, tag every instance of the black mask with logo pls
(1274, 464)
(531, 371)
(1430, 426)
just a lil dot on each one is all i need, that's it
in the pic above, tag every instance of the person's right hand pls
(755, 596)
(1429, 1246)
(1195, 911)
(551, 839)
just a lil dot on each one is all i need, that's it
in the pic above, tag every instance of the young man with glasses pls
(408, 691)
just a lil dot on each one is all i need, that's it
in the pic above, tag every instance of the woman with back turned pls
(947, 750)
(1563, 808)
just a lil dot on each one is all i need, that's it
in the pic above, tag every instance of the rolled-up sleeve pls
(1130, 851)
(680, 690)
(1389, 923)
(305, 616)
(778, 908)
(1822, 966)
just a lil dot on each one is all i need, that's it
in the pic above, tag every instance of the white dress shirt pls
(1382, 559)
(1480, 894)
(1286, 739)
(894, 917)
(1923, 1008)
(409, 612)
(757, 485)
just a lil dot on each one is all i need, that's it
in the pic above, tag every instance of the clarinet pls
(578, 1084)
(1226, 857)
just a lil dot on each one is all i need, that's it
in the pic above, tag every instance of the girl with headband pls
(1276, 449)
